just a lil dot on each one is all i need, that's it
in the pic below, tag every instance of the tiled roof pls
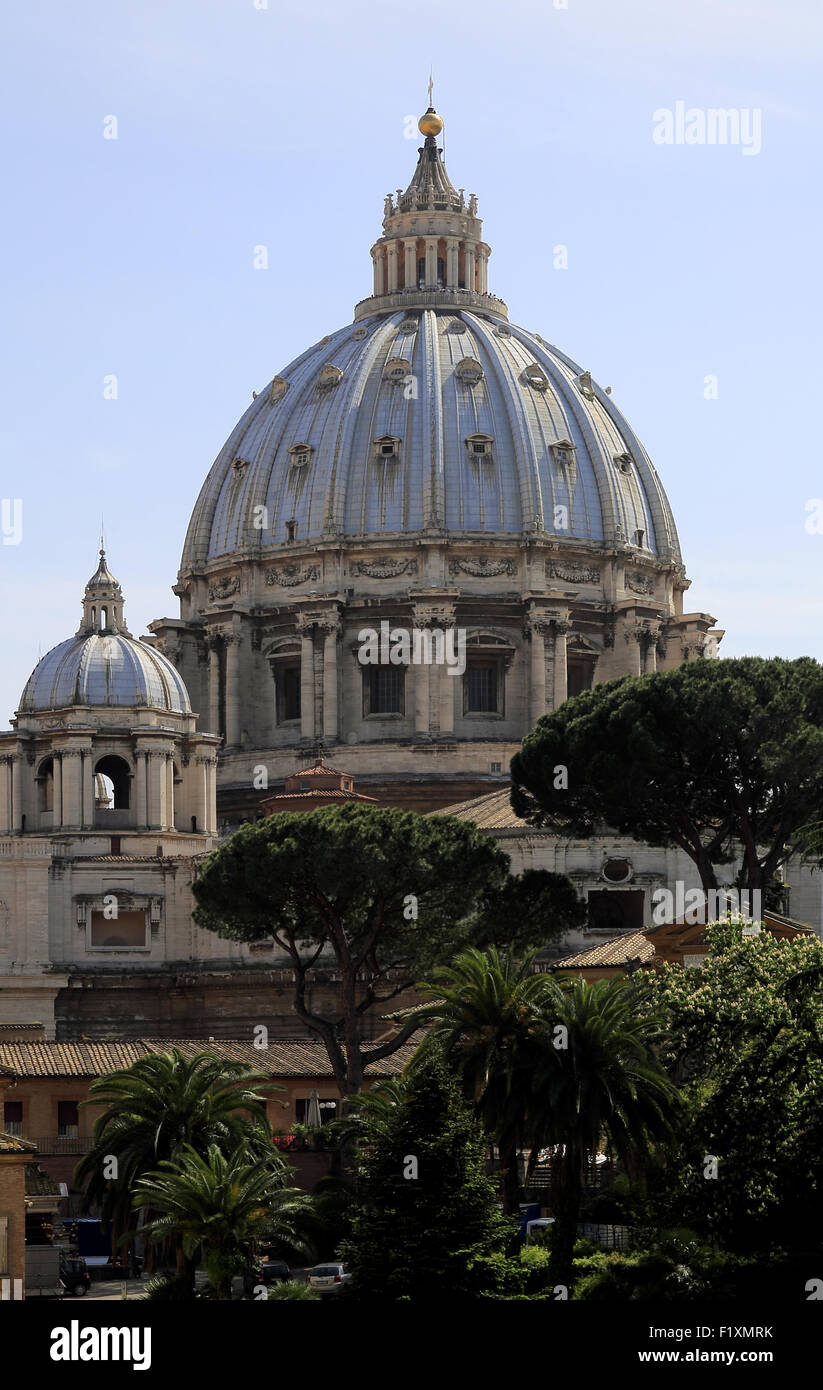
(38, 1183)
(10, 1144)
(318, 793)
(284, 1056)
(616, 953)
(490, 812)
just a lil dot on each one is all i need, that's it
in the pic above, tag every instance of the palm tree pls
(221, 1205)
(161, 1103)
(489, 1015)
(600, 1079)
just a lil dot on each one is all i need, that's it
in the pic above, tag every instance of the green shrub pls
(294, 1291)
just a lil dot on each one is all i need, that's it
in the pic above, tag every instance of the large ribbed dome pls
(432, 471)
(104, 670)
(559, 457)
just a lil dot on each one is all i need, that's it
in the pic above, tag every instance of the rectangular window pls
(578, 677)
(127, 930)
(13, 1117)
(482, 688)
(287, 685)
(383, 690)
(67, 1119)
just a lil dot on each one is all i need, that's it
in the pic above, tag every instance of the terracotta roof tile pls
(10, 1144)
(490, 812)
(284, 1056)
(616, 953)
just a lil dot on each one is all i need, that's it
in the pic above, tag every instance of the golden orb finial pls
(430, 123)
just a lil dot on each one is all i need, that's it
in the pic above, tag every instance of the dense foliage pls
(711, 756)
(427, 1224)
(387, 893)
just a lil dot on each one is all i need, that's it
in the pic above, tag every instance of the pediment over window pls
(300, 455)
(480, 446)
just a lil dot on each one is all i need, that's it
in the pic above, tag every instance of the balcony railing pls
(62, 1143)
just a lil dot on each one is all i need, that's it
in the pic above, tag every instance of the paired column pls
(410, 251)
(634, 640)
(392, 266)
(140, 790)
(561, 627)
(452, 245)
(169, 817)
(87, 778)
(214, 644)
(305, 627)
(469, 261)
(431, 262)
(6, 812)
(378, 271)
(70, 764)
(331, 629)
(57, 816)
(536, 628)
(232, 690)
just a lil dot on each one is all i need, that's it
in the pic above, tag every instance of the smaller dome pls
(103, 664)
(108, 670)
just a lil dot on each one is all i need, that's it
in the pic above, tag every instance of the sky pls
(692, 286)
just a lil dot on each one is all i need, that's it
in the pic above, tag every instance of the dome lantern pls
(432, 251)
(103, 603)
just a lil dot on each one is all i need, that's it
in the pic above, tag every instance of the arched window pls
(117, 773)
(421, 272)
(45, 785)
(104, 619)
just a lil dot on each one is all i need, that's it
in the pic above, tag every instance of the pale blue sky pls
(284, 126)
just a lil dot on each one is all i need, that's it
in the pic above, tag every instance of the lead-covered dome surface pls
(104, 669)
(312, 449)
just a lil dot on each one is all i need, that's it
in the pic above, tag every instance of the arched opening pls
(112, 776)
(45, 785)
(104, 619)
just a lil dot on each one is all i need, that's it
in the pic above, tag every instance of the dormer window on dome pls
(329, 377)
(480, 446)
(536, 377)
(640, 539)
(624, 462)
(396, 370)
(279, 387)
(469, 371)
(387, 448)
(563, 453)
(239, 464)
(300, 455)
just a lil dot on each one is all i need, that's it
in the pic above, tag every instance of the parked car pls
(327, 1278)
(274, 1272)
(74, 1275)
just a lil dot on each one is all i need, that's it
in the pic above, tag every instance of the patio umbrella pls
(313, 1119)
